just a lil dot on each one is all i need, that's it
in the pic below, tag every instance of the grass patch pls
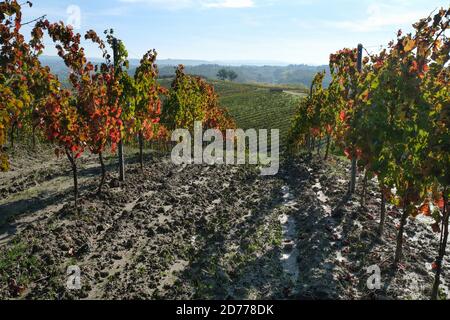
(16, 263)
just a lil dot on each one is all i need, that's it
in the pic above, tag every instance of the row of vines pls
(389, 113)
(105, 105)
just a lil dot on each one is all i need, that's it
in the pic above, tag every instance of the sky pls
(291, 31)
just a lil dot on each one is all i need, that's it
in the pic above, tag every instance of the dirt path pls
(198, 232)
(290, 256)
(336, 249)
(210, 232)
(38, 190)
(293, 93)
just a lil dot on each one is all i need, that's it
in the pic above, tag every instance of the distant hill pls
(252, 72)
(175, 62)
(291, 74)
(233, 63)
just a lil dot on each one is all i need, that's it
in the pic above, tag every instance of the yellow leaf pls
(410, 45)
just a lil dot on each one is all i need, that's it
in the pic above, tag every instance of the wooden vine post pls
(442, 248)
(120, 145)
(354, 158)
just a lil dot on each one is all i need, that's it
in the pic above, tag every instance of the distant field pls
(258, 106)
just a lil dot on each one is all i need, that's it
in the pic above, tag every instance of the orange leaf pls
(425, 209)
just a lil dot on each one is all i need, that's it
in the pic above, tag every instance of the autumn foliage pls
(193, 99)
(393, 117)
(104, 104)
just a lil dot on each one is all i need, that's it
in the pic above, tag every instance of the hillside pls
(258, 106)
(291, 74)
(224, 186)
(273, 74)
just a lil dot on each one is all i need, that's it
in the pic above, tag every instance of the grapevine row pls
(105, 105)
(390, 114)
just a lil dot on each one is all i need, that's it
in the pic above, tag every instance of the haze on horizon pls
(277, 31)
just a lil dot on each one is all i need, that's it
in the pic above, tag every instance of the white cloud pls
(380, 16)
(169, 4)
(182, 4)
(229, 4)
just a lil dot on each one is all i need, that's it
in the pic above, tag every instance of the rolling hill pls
(248, 72)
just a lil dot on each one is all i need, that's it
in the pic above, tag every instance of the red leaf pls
(425, 209)
(15, 289)
(347, 153)
(434, 266)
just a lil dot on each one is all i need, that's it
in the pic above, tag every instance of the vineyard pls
(86, 177)
(259, 107)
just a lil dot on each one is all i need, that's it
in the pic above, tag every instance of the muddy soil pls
(202, 232)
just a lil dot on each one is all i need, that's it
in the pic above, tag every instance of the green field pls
(256, 106)
(259, 106)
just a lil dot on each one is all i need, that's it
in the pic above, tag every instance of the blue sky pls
(295, 31)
